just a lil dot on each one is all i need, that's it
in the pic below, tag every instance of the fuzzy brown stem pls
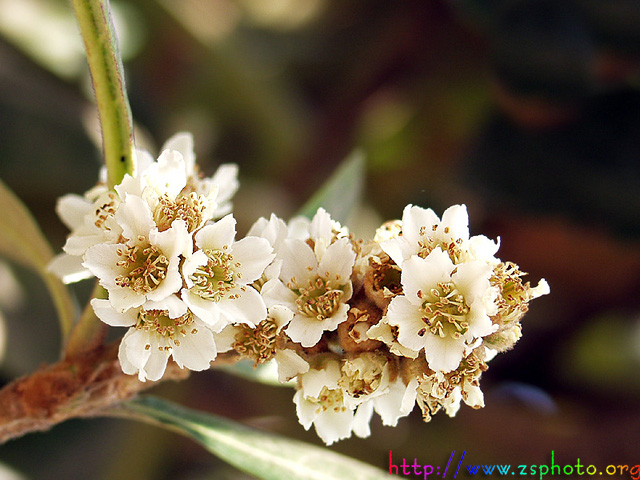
(83, 386)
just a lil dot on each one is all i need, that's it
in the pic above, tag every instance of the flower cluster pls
(171, 266)
(409, 317)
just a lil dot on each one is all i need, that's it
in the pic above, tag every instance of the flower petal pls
(226, 338)
(196, 350)
(68, 268)
(397, 402)
(406, 316)
(105, 312)
(290, 364)
(454, 224)
(332, 425)
(183, 143)
(472, 279)
(275, 293)
(414, 219)
(135, 218)
(247, 307)
(133, 352)
(254, 254)
(338, 261)
(205, 310)
(72, 209)
(423, 274)
(304, 330)
(362, 418)
(157, 364)
(218, 235)
(443, 353)
(299, 263)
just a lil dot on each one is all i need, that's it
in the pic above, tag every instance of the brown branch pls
(82, 386)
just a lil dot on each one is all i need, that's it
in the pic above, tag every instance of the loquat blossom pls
(422, 231)
(159, 330)
(409, 318)
(445, 307)
(173, 188)
(91, 220)
(320, 402)
(144, 267)
(219, 274)
(314, 282)
(370, 381)
(223, 184)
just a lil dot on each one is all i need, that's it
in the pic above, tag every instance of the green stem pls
(98, 33)
(89, 333)
(105, 64)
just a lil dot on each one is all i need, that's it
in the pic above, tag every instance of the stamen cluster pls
(409, 317)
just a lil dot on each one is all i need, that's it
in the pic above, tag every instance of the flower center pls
(362, 375)
(386, 275)
(147, 267)
(514, 295)
(427, 243)
(218, 277)
(444, 311)
(465, 376)
(159, 322)
(319, 298)
(329, 400)
(189, 208)
(105, 211)
(258, 343)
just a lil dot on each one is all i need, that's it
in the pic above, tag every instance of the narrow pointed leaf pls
(266, 456)
(342, 192)
(22, 241)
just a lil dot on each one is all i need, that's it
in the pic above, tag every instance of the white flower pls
(299, 228)
(315, 284)
(257, 342)
(222, 185)
(173, 188)
(366, 382)
(397, 402)
(445, 307)
(321, 402)
(183, 142)
(290, 364)
(423, 231)
(153, 179)
(219, 274)
(386, 333)
(275, 231)
(224, 182)
(145, 267)
(364, 376)
(340, 397)
(323, 229)
(159, 330)
(91, 219)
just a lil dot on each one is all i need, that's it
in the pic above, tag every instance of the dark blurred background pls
(528, 111)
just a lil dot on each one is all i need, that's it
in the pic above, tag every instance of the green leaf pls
(342, 192)
(22, 241)
(266, 373)
(264, 455)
